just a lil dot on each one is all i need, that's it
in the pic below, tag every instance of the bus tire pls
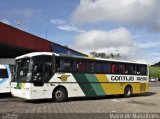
(127, 91)
(60, 94)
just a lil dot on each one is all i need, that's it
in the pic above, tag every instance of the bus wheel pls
(60, 94)
(128, 91)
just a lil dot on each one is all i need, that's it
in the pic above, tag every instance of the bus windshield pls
(23, 70)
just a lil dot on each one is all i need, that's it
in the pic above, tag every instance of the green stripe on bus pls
(84, 84)
(18, 85)
(96, 85)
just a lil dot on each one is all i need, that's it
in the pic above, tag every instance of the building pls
(15, 42)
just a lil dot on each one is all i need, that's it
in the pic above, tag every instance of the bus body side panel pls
(90, 85)
(77, 85)
(29, 91)
(68, 81)
(5, 82)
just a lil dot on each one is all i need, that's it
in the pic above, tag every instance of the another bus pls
(5, 78)
(41, 75)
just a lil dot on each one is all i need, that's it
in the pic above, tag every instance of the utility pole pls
(46, 33)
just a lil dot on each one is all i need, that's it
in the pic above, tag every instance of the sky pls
(130, 28)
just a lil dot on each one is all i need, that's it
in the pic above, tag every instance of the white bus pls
(41, 75)
(5, 78)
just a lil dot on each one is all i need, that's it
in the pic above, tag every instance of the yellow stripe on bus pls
(23, 85)
(102, 78)
(111, 88)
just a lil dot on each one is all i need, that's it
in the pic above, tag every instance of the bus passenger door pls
(47, 76)
(42, 74)
(38, 82)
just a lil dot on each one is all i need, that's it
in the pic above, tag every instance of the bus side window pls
(73, 63)
(142, 69)
(82, 66)
(135, 70)
(61, 65)
(128, 69)
(65, 65)
(121, 69)
(98, 67)
(57, 64)
(113, 68)
(105, 67)
(77, 67)
(90, 66)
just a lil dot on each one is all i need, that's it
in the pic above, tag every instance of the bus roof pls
(33, 54)
(75, 56)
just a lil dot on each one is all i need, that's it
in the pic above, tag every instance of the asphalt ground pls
(77, 107)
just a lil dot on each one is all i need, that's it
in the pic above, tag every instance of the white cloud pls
(5, 21)
(147, 52)
(131, 13)
(113, 41)
(100, 39)
(70, 28)
(150, 57)
(125, 51)
(24, 13)
(57, 21)
(155, 25)
(62, 25)
(126, 11)
(148, 44)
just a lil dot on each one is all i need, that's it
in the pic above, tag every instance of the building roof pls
(15, 42)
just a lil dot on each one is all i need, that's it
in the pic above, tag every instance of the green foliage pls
(154, 71)
(104, 55)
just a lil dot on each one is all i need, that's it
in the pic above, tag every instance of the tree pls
(104, 55)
